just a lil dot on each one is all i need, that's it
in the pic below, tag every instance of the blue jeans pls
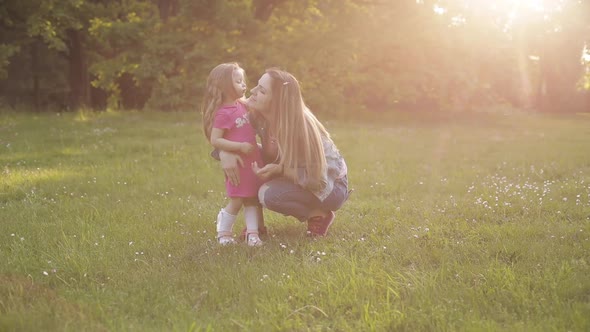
(283, 196)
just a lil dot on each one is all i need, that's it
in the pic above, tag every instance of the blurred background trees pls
(350, 55)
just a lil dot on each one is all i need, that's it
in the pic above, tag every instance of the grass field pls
(482, 224)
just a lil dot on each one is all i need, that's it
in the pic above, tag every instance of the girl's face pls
(238, 82)
(261, 95)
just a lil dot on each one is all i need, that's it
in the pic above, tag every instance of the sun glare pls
(509, 12)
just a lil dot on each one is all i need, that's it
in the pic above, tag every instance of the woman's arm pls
(221, 143)
(268, 171)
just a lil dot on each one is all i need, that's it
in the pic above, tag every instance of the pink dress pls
(237, 128)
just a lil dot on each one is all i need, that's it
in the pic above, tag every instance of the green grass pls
(479, 224)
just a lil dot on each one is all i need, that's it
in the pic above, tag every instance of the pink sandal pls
(225, 238)
(252, 239)
(261, 231)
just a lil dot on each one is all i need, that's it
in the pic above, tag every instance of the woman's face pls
(261, 95)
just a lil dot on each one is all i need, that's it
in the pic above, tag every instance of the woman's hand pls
(230, 163)
(267, 172)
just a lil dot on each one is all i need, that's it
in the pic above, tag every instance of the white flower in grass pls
(45, 273)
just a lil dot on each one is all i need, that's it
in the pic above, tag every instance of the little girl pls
(226, 125)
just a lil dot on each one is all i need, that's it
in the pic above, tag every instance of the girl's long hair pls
(299, 133)
(219, 88)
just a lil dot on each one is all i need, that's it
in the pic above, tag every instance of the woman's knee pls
(261, 194)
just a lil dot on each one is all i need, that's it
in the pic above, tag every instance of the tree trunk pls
(78, 67)
(167, 8)
(35, 74)
(263, 8)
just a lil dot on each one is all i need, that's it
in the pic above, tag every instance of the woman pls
(304, 174)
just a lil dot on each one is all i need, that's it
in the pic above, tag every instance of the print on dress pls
(242, 120)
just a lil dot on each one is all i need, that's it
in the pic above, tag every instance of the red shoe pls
(318, 226)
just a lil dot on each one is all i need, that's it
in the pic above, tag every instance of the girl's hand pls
(230, 163)
(246, 148)
(267, 172)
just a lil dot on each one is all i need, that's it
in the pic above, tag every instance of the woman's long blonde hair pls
(298, 132)
(219, 88)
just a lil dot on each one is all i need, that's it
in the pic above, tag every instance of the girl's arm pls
(221, 143)
(231, 163)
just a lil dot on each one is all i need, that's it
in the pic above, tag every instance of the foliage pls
(348, 54)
